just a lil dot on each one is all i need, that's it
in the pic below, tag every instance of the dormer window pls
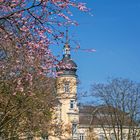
(67, 87)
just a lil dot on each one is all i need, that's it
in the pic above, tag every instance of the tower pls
(67, 91)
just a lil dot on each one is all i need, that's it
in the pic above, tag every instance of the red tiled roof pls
(103, 115)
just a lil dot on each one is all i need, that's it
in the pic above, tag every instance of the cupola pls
(66, 66)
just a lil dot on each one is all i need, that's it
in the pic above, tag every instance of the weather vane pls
(78, 46)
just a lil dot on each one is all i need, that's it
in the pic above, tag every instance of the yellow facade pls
(67, 112)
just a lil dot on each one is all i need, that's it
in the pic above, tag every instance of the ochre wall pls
(67, 115)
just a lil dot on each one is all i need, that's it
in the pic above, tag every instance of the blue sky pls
(114, 31)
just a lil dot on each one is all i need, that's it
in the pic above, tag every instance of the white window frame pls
(81, 136)
(72, 104)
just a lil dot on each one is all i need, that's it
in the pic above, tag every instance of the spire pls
(66, 48)
(67, 36)
(67, 66)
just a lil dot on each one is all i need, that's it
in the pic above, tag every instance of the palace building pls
(84, 122)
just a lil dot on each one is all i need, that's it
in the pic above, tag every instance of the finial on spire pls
(66, 46)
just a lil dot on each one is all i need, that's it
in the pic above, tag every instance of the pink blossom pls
(82, 7)
(64, 16)
(14, 93)
(24, 28)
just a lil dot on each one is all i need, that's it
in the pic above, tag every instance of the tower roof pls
(67, 66)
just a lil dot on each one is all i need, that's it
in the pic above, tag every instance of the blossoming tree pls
(27, 29)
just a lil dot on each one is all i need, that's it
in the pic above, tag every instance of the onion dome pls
(66, 66)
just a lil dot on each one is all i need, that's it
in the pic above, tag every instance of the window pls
(112, 137)
(101, 137)
(81, 136)
(71, 104)
(74, 128)
(67, 87)
(124, 136)
(44, 138)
